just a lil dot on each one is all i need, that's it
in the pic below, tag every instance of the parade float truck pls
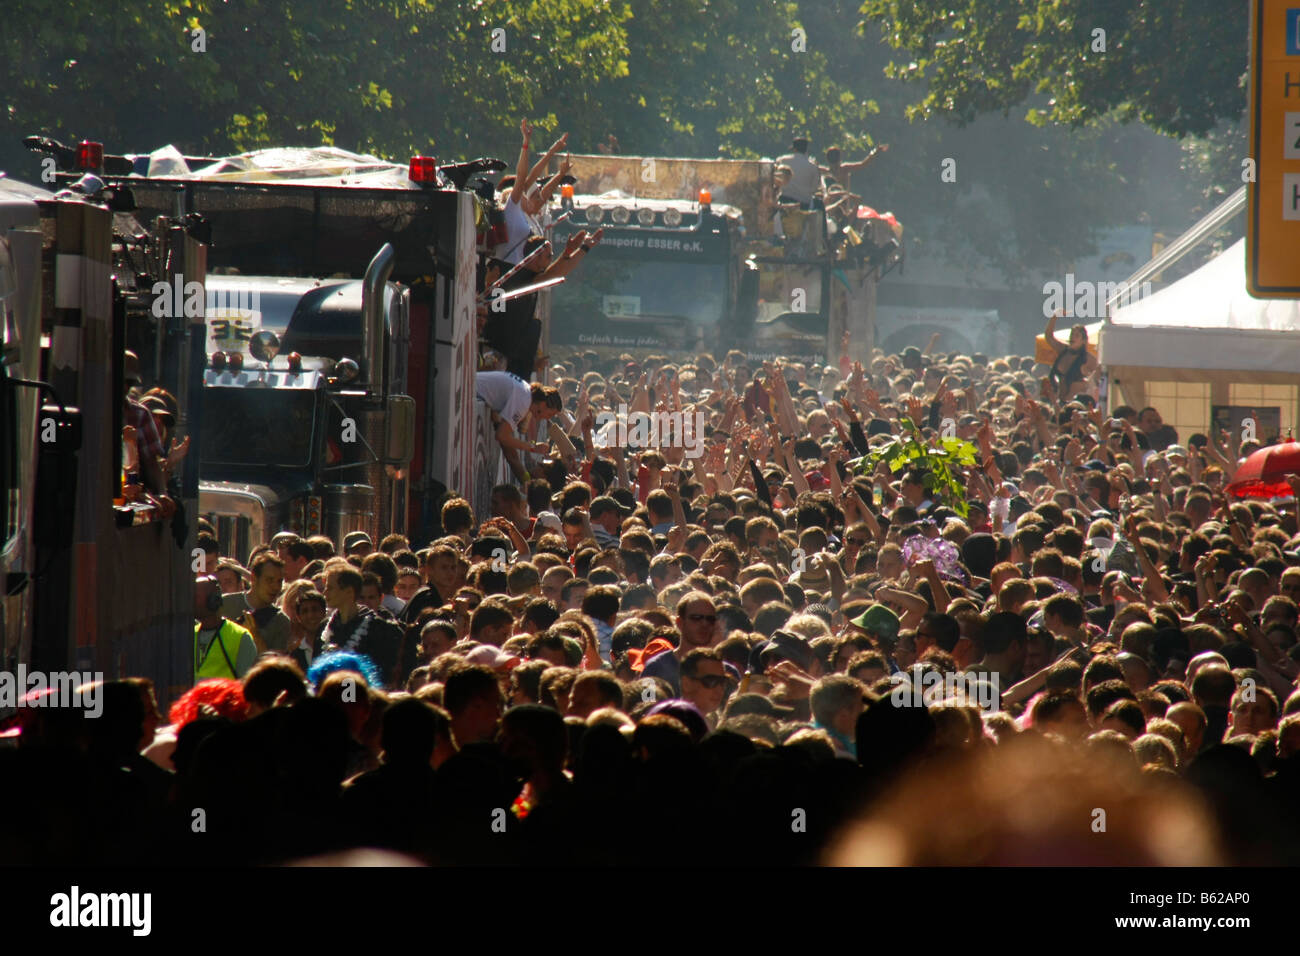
(338, 389)
(697, 255)
(98, 576)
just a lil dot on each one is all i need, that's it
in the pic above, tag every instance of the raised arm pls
(521, 167)
(1049, 333)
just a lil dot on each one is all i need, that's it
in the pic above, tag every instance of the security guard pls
(221, 648)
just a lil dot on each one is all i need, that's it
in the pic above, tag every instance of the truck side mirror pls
(399, 432)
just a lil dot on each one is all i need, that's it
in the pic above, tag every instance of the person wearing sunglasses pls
(697, 623)
(704, 681)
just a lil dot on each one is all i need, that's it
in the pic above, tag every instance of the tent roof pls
(1206, 320)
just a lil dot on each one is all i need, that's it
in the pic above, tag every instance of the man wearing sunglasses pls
(697, 623)
(704, 681)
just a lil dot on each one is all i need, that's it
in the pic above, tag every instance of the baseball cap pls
(549, 519)
(492, 657)
(788, 646)
(880, 620)
(603, 503)
(354, 538)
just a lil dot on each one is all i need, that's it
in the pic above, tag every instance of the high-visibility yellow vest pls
(214, 663)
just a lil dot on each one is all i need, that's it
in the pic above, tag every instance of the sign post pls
(1273, 230)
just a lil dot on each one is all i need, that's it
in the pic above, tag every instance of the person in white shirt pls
(523, 203)
(513, 400)
(805, 175)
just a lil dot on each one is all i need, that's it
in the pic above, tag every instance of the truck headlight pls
(620, 215)
(645, 217)
(595, 214)
(672, 217)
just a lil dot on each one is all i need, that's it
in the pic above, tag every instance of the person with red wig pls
(215, 697)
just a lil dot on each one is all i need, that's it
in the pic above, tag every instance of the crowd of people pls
(791, 643)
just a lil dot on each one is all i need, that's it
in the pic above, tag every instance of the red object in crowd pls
(1264, 473)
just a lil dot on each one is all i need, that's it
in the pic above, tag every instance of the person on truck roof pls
(519, 205)
(805, 175)
(841, 171)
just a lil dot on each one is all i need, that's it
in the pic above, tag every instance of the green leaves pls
(938, 465)
(983, 56)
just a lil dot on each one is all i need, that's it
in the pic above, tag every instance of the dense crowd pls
(802, 637)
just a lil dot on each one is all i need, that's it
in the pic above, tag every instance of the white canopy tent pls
(1202, 342)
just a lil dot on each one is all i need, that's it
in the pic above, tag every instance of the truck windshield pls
(618, 288)
(258, 426)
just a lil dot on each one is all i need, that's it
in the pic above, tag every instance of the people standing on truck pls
(511, 328)
(842, 172)
(256, 610)
(520, 207)
(805, 175)
(221, 647)
(354, 627)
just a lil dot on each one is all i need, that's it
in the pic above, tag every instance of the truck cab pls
(664, 276)
(296, 436)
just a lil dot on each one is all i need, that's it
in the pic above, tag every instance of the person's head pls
(1213, 686)
(1254, 710)
(837, 703)
(704, 679)
(799, 144)
(913, 486)
(1078, 336)
(1004, 638)
(534, 741)
(472, 695)
(697, 621)
(437, 637)
(602, 602)
(576, 526)
(230, 576)
(311, 609)
(546, 401)
(372, 592)
(207, 598)
(1149, 420)
(408, 582)
(457, 518)
(491, 623)
(1060, 712)
(1191, 720)
(296, 554)
(342, 587)
(593, 690)
(508, 502)
(358, 543)
(270, 678)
